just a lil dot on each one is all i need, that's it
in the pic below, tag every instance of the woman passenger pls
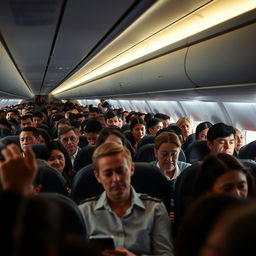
(202, 129)
(224, 174)
(137, 132)
(186, 125)
(58, 158)
(167, 149)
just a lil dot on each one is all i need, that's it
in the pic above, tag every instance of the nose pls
(115, 177)
(236, 192)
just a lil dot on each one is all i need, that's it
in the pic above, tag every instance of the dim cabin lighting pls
(204, 18)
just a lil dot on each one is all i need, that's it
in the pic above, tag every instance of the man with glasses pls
(69, 139)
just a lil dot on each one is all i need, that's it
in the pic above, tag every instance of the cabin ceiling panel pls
(228, 59)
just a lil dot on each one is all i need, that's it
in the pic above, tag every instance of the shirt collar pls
(176, 172)
(103, 202)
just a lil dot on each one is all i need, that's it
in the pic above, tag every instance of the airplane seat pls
(251, 164)
(85, 185)
(183, 192)
(4, 131)
(39, 150)
(147, 179)
(84, 157)
(191, 138)
(14, 138)
(146, 154)
(248, 151)
(72, 219)
(148, 139)
(196, 151)
(50, 179)
(82, 141)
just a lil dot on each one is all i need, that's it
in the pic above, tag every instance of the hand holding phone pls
(102, 242)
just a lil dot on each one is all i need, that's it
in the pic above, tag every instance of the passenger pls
(224, 174)
(111, 134)
(57, 157)
(202, 129)
(167, 149)
(137, 132)
(26, 121)
(165, 119)
(221, 139)
(239, 141)
(139, 223)
(94, 113)
(112, 119)
(199, 220)
(27, 137)
(92, 130)
(69, 139)
(38, 119)
(44, 136)
(186, 125)
(154, 125)
(12, 114)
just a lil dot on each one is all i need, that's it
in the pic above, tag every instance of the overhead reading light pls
(206, 17)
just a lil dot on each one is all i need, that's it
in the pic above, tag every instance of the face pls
(57, 160)
(138, 131)
(26, 139)
(70, 141)
(153, 130)
(239, 140)
(10, 115)
(222, 145)
(112, 121)
(91, 137)
(114, 138)
(37, 121)
(167, 156)
(233, 182)
(93, 115)
(26, 123)
(115, 176)
(186, 129)
(203, 134)
(166, 123)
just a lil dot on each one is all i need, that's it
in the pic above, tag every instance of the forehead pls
(68, 134)
(26, 120)
(231, 176)
(56, 152)
(112, 162)
(228, 138)
(25, 134)
(139, 126)
(167, 146)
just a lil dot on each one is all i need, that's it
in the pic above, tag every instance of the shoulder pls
(89, 200)
(145, 197)
(183, 165)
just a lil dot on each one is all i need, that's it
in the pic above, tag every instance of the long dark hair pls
(55, 145)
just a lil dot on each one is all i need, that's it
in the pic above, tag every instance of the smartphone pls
(102, 242)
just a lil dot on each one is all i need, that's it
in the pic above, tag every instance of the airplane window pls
(249, 136)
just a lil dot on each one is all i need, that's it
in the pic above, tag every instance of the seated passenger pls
(239, 141)
(221, 139)
(202, 129)
(112, 119)
(58, 158)
(92, 130)
(154, 125)
(167, 149)
(139, 223)
(186, 125)
(165, 119)
(137, 132)
(28, 136)
(224, 174)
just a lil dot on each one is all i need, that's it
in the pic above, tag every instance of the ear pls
(155, 152)
(209, 144)
(132, 169)
(97, 176)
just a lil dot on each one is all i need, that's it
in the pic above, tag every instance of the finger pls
(31, 159)
(14, 149)
(7, 154)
